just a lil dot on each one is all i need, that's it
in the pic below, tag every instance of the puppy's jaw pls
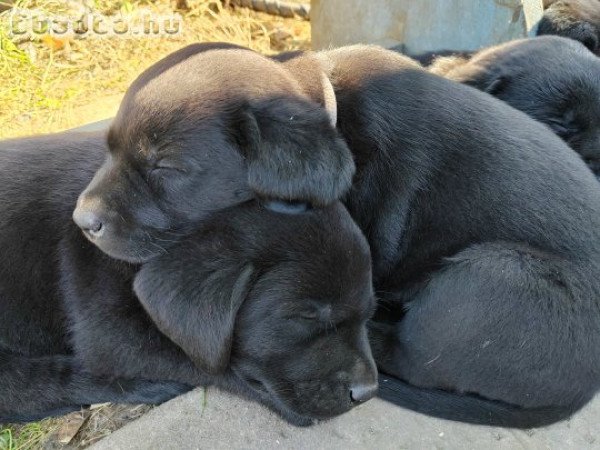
(258, 392)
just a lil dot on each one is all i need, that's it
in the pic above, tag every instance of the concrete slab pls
(210, 419)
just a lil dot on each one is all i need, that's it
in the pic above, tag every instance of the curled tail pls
(32, 388)
(468, 408)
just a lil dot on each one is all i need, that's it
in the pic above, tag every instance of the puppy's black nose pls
(88, 222)
(362, 392)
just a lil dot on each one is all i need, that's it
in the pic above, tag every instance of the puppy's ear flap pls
(312, 71)
(195, 309)
(293, 152)
(494, 85)
(490, 81)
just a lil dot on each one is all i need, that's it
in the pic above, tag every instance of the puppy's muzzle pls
(362, 392)
(89, 222)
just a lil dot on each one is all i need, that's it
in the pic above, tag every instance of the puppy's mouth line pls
(257, 385)
(138, 257)
(260, 388)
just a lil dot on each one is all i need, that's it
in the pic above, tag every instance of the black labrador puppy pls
(552, 79)
(208, 128)
(278, 302)
(573, 19)
(484, 230)
(248, 302)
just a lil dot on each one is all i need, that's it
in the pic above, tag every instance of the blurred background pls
(54, 80)
(50, 82)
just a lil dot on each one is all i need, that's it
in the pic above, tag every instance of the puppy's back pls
(477, 168)
(64, 160)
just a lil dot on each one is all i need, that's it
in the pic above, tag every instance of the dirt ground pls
(50, 85)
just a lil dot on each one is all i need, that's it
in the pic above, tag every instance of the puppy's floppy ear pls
(495, 84)
(312, 71)
(293, 152)
(486, 79)
(195, 307)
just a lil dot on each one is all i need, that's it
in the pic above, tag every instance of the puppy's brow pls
(144, 147)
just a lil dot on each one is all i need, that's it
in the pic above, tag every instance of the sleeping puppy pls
(574, 19)
(280, 301)
(268, 305)
(484, 230)
(39, 375)
(208, 127)
(531, 75)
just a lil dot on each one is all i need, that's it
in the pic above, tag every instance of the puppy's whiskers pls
(151, 242)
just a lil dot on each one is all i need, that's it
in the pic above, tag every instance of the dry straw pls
(49, 84)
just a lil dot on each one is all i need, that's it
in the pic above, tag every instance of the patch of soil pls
(81, 429)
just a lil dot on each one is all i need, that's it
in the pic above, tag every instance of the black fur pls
(33, 388)
(267, 295)
(467, 407)
(573, 19)
(193, 137)
(484, 229)
(554, 80)
(73, 332)
(41, 178)
(208, 127)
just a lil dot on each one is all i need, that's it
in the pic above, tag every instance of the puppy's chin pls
(261, 392)
(256, 391)
(128, 251)
(276, 405)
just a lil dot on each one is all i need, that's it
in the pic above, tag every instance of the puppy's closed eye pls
(308, 315)
(564, 130)
(168, 166)
(283, 207)
(163, 170)
(168, 163)
(317, 313)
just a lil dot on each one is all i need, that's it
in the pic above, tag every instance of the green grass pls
(6, 439)
(26, 437)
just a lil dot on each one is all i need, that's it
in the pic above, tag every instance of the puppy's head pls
(208, 127)
(276, 304)
(573, 19)
(554, 80)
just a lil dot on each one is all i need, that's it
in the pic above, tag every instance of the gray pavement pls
(210, 419)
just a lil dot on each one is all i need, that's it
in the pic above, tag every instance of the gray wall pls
(422, 25)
